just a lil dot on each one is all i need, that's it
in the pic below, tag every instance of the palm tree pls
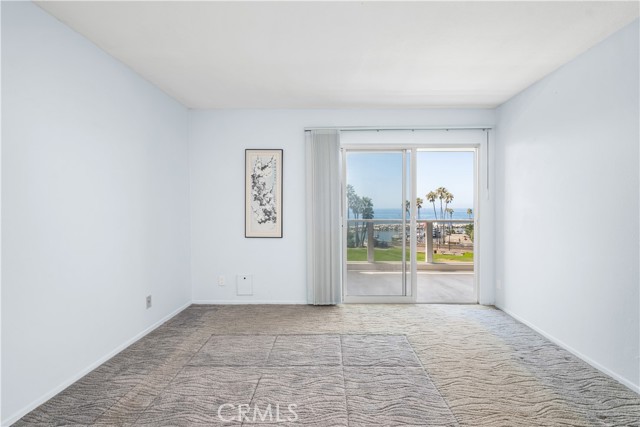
(448, 198)
(367, 208)
(419, 203)
(355, 204)
(450, 213)
(431, 197)
(441, 192)
(351, 200)
(359, 213)
(470, 212)
(367, 213)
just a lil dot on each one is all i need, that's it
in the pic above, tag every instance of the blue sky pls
(379, 176)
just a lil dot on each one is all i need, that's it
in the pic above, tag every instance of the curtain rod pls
(405, 128)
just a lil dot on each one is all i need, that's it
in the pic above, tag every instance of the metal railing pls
(435, 236)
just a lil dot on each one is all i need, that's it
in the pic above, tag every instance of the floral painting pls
(263, 193)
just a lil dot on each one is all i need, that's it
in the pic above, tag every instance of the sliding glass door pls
(408, 222)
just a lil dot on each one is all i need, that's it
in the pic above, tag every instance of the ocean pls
(387, 233)
(425, 213)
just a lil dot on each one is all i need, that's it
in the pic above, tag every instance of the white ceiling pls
(343, 54)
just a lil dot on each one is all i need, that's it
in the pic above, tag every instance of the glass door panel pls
(446, 188)
(377, 226)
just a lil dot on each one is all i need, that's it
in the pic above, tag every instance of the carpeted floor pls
(355, 365)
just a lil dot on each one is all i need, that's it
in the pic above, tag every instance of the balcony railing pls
(438, 241)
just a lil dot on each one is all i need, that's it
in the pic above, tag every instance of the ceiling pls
(343, 54)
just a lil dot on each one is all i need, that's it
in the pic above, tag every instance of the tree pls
(367, 208)
(450, 213)
(468, 230)
(448, 198)
(441, 193)
(354, 205)
(357, 211)
(367, 213)
(361, 207)
(352, 200)
(431, 197)
(444, 196)
(419, 203)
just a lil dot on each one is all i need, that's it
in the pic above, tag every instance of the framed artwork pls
(263, 193)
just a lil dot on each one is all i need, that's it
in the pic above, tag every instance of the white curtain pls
(324, 251)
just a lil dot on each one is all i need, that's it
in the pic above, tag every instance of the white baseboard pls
(598, 366)
(39, 401)
(247, 302)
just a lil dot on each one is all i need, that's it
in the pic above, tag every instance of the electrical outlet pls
(220, 280)
(148, 301)
(244, 284)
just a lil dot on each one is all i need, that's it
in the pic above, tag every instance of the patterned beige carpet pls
(355, 365)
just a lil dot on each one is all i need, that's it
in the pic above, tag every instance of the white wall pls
(95, 212)
(217, 140)
(567, 206)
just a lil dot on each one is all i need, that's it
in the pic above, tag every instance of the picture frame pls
(263, 193)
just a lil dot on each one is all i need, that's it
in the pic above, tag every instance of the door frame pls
(413, 148)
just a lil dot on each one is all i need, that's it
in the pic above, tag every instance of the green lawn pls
(465, 257)
(395, 254)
